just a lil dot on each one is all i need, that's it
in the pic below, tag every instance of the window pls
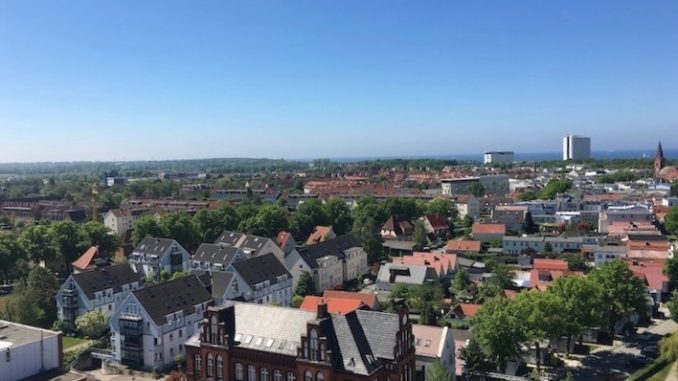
(180, 333)
(264, 374)
(171, 337)
(277, 375)
(308, 376)
(198, 364)
(214, 329)
(314, 344)
(239, 376)
(210, 365)
(291, 376)
(220, 368)
(251, 373)
(319, 377)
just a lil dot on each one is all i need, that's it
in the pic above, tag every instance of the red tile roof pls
(334, 305)
(467, 309)
(367, 298)
(86, 259)
(437, 221)
(282, 238)
(550, 264)
(454, 246)
(442, 263)
(318, 235)
(488, 229)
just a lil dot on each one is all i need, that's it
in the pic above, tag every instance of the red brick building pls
(253, 342)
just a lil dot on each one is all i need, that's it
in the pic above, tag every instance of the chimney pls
(322, 309)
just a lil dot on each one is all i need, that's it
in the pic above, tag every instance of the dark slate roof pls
(220, 282)
(229, 238)
(380, 328)
(259, 269)
(214, 253)
(254, 242)
(335, 246)
(355, 353)
(203, 276)
(154, 246)
(173, 296)
(105, 277)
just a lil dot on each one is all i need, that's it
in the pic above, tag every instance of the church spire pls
(659, 160)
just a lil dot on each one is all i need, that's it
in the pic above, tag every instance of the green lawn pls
(73, 341)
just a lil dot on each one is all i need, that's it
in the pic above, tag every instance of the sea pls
(670, 154)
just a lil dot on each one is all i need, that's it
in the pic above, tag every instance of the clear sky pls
(126, 80)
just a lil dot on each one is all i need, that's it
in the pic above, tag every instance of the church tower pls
(659, 160)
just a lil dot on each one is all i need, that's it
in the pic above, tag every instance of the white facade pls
(498, 157)
(434, 343)
(576, 148)
(27, 351)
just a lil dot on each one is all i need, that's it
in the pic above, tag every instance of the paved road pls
(608, 363)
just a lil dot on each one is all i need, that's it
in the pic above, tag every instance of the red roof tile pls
(455, 246)
(86, 259)
(334, 306)
(488, 229)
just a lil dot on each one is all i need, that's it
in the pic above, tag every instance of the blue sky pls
(126, 80)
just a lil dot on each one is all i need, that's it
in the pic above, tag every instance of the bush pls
(649, 370)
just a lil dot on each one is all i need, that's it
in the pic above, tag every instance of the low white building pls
(155, 255)
(431, 344)
(28, 351)
(517, 245)
(498, 157)
(120, 221)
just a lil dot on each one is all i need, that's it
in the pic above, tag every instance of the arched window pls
(198, 364)
(264, 374)
(220, 368)
(251, 373)
(308, 376)
(210, 365)
(239, 372)
(314, 345)
(319, 376)
(277, 375)
(214, 330)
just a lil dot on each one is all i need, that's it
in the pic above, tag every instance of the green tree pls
(366, 231)
(575, 262)
(475, 360)
(443, 207)
(41, 286)
(673, 306)
(37, 242)
(339, 215)
(180, 227)
(269, 220)
(542, 315)
(671, 270)
(96, 234)
(93, 324)
(528, 196)
(297, 300)
(147, 226)
(67, 238)
(461, 280)
(548, 248)
(622, 293)
(436, 372)
(10, 254)
(305, 285)
(467, 221)
(406, 208)
(308, 215)
(476, 189)
(427, 314)
(553, 187)
(500, 331)
(208, 225)
(419, 235)
(529, 227)
(671, 221)
(23, 311)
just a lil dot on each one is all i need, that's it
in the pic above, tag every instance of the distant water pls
(671, 154)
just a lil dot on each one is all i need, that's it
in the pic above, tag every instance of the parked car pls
(650, 351)
(638, 361)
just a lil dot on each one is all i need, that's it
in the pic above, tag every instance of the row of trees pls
(549, 192)
(570, 306)
(57, 244)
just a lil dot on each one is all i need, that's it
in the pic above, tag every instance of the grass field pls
(73, 341)
(4, 299)
(661, 375)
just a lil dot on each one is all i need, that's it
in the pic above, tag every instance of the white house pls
(120, 221)
(434, 343)
(149, 328)
(251, 245)
(155, 255)
(99, 289)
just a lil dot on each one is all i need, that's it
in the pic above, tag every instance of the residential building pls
(601, 254)
(330, 262)
(465, 311)
(538, 244)
(286, 242)
(251, 245)
(155, 255)
(263, 280)
(498, 157)
(545, 271)
(319, 234)
(650, 271)
(214, 257)
(513, 216)
(119, 221)
(486, 233)
(150, 327)
(391, 274)
(397, 228)
(99, 289)
(462, 246)
(28, 351)
(436, 226)
(236, 343)
(334, 306)
(467, 205)
(443, 264)
(368, 298)
(576, 148)
(492, 184)
(431, 344)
